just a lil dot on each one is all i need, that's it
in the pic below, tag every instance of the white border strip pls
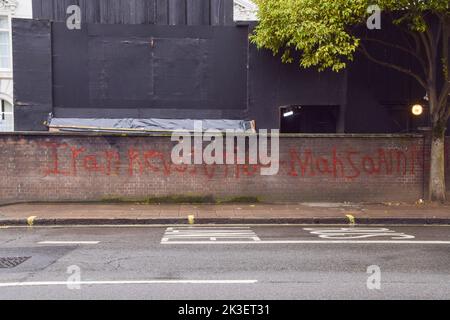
(310, 242)
(69, 242)
(124, 282)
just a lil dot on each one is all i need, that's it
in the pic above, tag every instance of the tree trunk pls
(437, 169)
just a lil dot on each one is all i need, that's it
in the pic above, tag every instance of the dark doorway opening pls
(309, 119)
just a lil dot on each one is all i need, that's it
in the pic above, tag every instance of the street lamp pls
(417, 110)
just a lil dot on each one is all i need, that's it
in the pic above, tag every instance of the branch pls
(421, 81)
(445, 92)
(428, 51)
(428, 35)
(447, 113)
(445, 63)
(416, 48)
(401, 48)
(416, 40)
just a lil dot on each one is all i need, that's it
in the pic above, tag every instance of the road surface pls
(225, 262)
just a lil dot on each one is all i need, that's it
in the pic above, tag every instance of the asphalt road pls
(240, 262)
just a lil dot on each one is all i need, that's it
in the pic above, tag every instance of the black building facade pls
(189, 59)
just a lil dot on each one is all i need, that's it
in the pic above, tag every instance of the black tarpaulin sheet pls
(145, 125)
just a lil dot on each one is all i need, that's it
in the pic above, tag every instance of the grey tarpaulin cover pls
(144, 125)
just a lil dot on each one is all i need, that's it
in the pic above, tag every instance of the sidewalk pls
(324, 213)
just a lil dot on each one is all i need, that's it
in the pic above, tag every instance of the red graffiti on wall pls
(55, 149)
(351, 164)
(347, 164)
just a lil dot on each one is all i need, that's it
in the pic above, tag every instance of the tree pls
(324, 33)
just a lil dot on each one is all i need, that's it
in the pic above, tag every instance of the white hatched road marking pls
(330, 235)
(209, 234)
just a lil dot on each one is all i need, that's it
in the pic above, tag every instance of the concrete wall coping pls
(168, 134)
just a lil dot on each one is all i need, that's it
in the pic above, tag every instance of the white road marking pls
(205, 227)
(69, 242)
(208, 234)
(357, 233)
(124, 282)
(331, 235)
(212, 234)
(312, 242)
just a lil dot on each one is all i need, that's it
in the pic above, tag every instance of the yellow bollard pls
(351, 219)
(30, 220)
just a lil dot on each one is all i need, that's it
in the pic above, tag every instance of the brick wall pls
(52, 167)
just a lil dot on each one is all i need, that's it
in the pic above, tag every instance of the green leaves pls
(320, 29)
